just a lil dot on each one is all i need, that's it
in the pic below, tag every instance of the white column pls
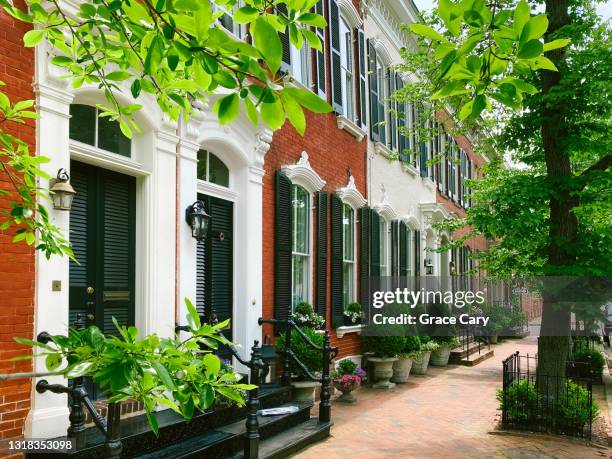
(49, 414)
(188, 162)
(156, 227)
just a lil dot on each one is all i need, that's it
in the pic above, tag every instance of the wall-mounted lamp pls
(62, 192)
(428, 266)
(198, 220)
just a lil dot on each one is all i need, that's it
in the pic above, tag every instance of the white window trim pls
(382, 150)
(350, 126)
(346, 329)
(350, 13)
(384, 248)
(296, 56)
(354, 261)
(343, 21)
(302, 173)
(309, 293)
(350, 194)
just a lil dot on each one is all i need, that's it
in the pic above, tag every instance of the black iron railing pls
(80, 400)
(328, 353)
(545, 403)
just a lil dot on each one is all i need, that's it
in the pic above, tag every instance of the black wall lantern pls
(198, 220)
(62, 192)
(428, 266)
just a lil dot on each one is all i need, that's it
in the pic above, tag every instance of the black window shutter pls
(365, 219)
(336, 76)
(394, 247)
(375, 245)
(423, 160)
(401, 118)
(417, 253)
(392, 142)
(382, 131)
(337, 310)
(403, 249)
(284, 37)
(362, 78)
(282, 246)
(374, 127)
(322, 253)
(320, 55)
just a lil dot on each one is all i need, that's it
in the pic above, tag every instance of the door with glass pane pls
(215, 265)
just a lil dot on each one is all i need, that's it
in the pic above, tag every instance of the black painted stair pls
(217, 434)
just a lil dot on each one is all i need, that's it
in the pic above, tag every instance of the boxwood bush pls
(384, 346)
(310, 357)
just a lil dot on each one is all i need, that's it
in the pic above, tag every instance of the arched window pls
(300, 250)
(212, 169)
(87, 127)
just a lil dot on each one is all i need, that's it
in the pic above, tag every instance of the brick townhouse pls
(294, 218)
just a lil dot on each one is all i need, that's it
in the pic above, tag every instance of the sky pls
(604, 9)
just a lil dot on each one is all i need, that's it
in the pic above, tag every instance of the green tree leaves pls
(267, 41)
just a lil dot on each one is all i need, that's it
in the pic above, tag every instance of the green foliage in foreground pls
(157, 371)
(172, 51)
(525, 405)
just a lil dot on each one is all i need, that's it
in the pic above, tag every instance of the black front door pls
(102, 233)
(215, 269)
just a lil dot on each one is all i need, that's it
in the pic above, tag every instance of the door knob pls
(90, 290)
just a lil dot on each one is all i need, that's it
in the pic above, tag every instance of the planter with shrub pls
(346, 378)
(353, 314)
(420, 361)
(590, 364)
(403, 364)
(305, 316)
(303, 387)
(439, 357)
(385, 350)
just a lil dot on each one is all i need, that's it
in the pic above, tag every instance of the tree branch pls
(600, 165)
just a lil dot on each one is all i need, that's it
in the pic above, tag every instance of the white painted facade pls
(396, 190)
(163, 161)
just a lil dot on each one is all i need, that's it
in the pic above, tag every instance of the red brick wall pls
(331, 151)
(16, 260)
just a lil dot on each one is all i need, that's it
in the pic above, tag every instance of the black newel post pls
(286, 377)
(113, 431)
(77, 415)
(325, 405)
(251, 445)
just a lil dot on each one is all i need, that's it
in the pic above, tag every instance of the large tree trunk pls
(553, 345)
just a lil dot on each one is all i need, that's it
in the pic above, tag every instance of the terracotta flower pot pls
(420, 364)
(401, 370)
(383, 371)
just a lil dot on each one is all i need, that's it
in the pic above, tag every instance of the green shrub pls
(347, 367)
(310, 357)
(447, 341)
(524, 405)
(594, 358)
(384, 346)
(305, 316)
(413, 344)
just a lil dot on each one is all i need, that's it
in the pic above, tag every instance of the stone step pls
(460, 352)
(476, 358)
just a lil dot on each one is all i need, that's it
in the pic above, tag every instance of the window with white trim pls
(348, 254)
(300, 64)
(211, 169)
(346, 71)
(86, 126)
(226, 21)
(300, 250)
(383, 246)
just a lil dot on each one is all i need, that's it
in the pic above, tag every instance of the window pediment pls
(302, 173)
(384, 208)
(350, 13)
(351, 195)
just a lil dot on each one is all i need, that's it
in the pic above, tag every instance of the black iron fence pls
(545, 403)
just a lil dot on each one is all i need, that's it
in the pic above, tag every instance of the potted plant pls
(346, 378)
(305, 316)
(440, 356)
(420, 360)
(353, 312)
(499, 320)
(403, 364)
(385, 350)
(303, 387)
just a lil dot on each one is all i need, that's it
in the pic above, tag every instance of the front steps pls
(217, 434)
(470, 356)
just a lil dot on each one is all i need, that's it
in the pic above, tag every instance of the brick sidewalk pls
(444, 414)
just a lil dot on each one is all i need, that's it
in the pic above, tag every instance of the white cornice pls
(382, 50)
(351, 195)
(350, 13)
(387, 20)
(411, 221)
(344, 123)
(301, 173)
